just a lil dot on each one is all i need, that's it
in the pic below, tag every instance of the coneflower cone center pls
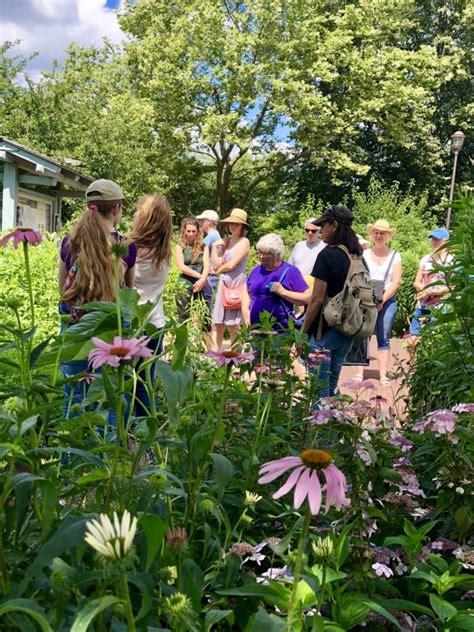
(230, 354)
(315, 458)
(119, 351)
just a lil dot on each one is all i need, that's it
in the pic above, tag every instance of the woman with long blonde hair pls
(151, 233)
(192, 260)
(86, 269)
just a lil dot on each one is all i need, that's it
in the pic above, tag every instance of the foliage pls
(443, 368)
(213, 548)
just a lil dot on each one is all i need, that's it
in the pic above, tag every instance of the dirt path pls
(394, 393)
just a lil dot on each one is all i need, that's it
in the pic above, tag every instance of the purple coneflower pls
(305, 479)
(230, 357)
(28, 235)
(113, 354)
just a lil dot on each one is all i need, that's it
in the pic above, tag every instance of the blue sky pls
(47, 27)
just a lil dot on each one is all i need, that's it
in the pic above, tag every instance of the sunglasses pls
(311, 230)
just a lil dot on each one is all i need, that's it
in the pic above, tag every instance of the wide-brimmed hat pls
(383, 226)
(105, 190)
(237, 216)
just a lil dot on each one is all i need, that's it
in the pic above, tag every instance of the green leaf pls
(30, 608)
(223, 472)
(460, 622)
(373, 605)
(191, 582)
(154, 529)
(91, 610)
(176, 385)
(443, 608)
(262, 621)
(270, 593)
(406, 606)
(92, 477)
(352, 611)
(49, 498)
(214, 616)
(38, 350)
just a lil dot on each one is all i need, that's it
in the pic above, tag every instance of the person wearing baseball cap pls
(87, 269)
(430, 283)
(208, 221)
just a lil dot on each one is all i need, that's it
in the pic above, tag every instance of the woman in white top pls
(151, 232)
(385, 267)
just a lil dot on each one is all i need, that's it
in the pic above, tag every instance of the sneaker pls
(385, 381)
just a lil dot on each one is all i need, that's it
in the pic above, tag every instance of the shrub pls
(444, 359)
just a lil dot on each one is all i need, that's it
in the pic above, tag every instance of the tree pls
(255, 86)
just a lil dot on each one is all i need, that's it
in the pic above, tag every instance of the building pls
(34, 187)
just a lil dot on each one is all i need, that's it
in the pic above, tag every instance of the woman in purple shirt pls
(274, 286)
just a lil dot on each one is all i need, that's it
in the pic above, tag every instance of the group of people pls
(212, 269)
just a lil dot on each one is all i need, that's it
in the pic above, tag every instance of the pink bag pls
(232, 296)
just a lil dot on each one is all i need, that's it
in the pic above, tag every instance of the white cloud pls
(47, 27)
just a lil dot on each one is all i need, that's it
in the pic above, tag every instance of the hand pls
(197, 287)
(379, 307)
(276, 287)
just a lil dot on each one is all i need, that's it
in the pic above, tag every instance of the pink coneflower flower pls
(120, 350)
(316, 357)
(463, 408)
(230, 357)
(28, 235)
(305, 479)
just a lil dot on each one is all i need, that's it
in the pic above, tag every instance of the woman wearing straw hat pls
(385, 266)
(229, 258)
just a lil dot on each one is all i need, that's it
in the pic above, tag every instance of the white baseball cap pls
(212, 215)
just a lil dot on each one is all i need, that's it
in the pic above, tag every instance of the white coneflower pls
(112, 540)
(251, 498)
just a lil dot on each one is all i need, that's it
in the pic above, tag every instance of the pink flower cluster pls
(441, 422)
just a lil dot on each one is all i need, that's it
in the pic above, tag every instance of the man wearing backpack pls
(342, 305)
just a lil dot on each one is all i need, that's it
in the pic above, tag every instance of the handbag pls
(378, 287)
(232, 296)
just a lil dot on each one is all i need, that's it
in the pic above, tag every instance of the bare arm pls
(246, 305)
(417, 284)
(315, 304)
(197, 287)
(178, 253)
(217, 253)
(62, 276)
(297, 298)
(396, 279)
(129, 277)
(242, 251)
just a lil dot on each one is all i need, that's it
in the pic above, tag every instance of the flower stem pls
(28, 282)
(118, 439)
(117, 294)
(297, 571)
(128, 604)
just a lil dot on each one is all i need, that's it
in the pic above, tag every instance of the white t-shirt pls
(150, 283)
(377, 271)
(429, 277)
(304, 256)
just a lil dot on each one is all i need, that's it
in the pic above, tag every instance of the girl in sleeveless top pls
(229, 258)
(192, 259)
(151, 233)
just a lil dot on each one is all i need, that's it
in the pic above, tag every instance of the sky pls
(49, 26)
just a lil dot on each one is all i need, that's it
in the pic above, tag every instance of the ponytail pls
(90, 247)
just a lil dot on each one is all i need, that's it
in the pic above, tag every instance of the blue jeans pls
(209, 291)
(421, 317)
(338, 347)
(142, 400)
(384, 325)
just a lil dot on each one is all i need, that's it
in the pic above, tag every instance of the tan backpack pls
(352, 312)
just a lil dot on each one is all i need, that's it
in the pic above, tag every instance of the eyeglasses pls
(311, 230)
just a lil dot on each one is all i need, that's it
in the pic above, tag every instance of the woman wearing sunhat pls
(385, 267)
(229, 258)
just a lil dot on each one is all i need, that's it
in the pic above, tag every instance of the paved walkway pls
(394, 393)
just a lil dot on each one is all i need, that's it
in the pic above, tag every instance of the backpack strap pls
(389, 266)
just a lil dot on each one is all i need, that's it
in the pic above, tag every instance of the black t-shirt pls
(332, 266)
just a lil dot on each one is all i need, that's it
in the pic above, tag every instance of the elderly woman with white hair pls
(274, 286)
